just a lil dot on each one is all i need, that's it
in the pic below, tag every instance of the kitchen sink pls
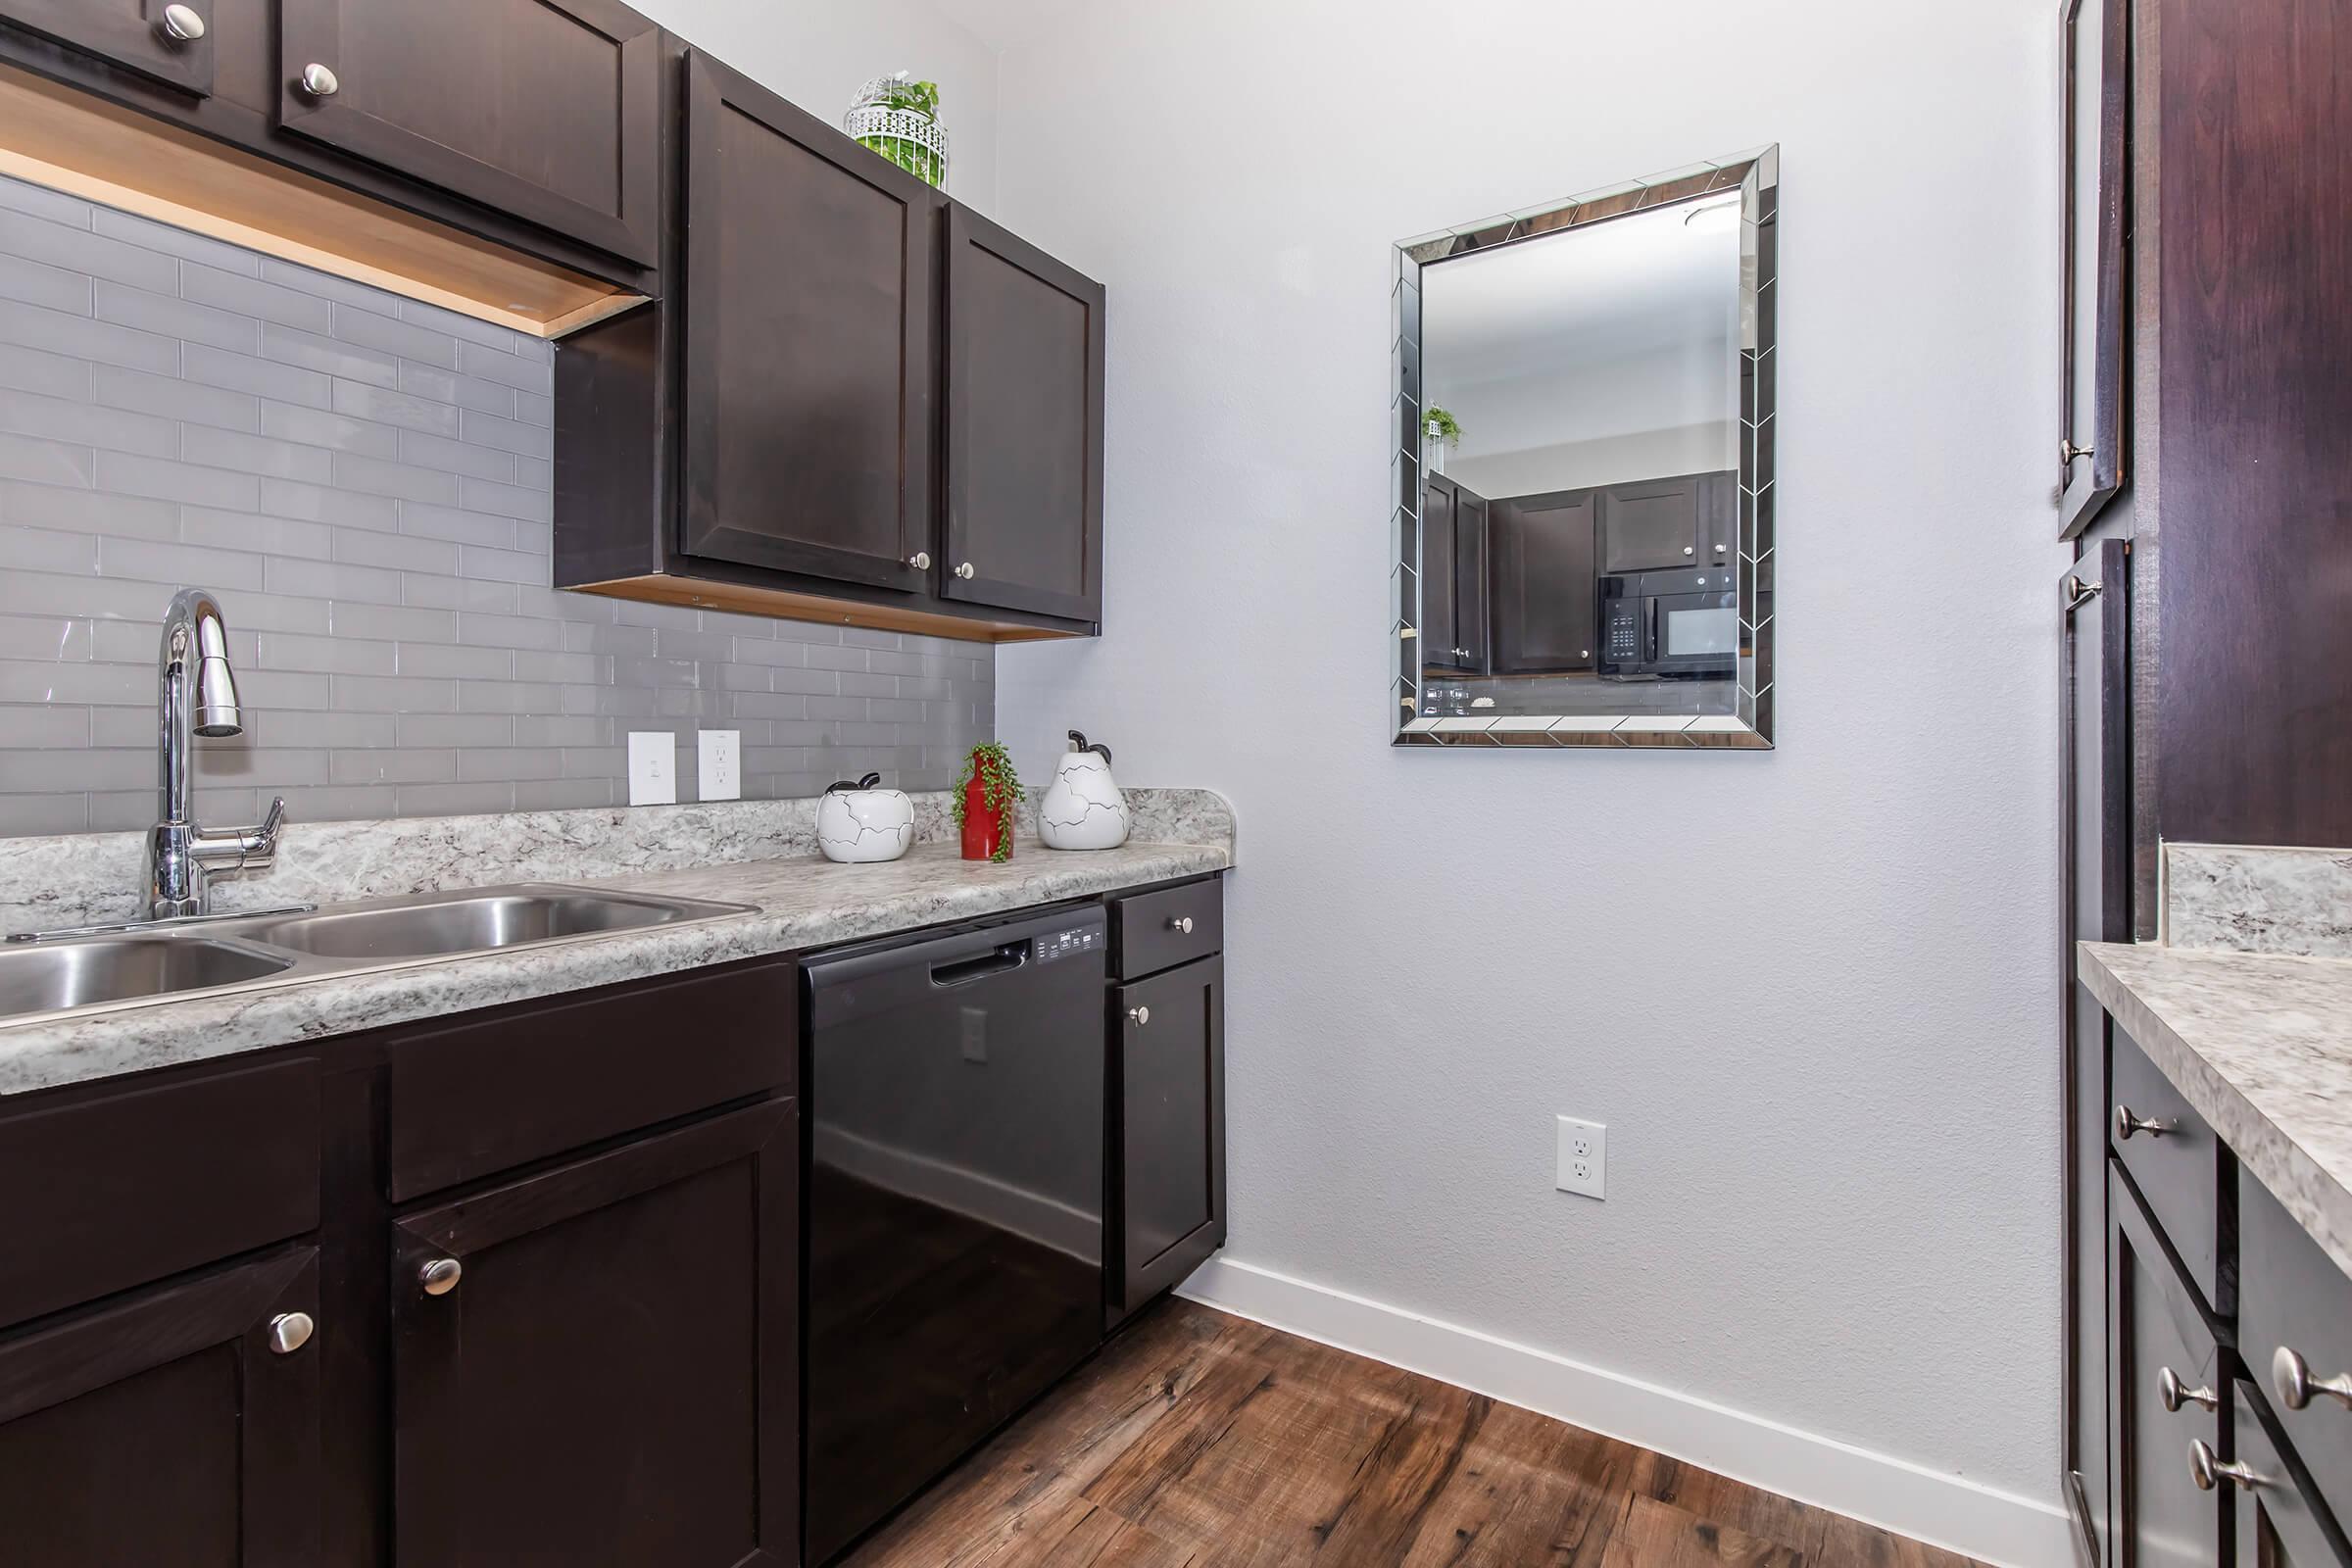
(97, 968)
(91, 974)
(477, 920)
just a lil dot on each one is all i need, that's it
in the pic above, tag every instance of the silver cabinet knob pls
(1720, 549)
(182, 23)
(920, 560)
(441, 1276)
(1689, 549)
(289, 1331)
(319, 81)
(1181, 922)
(2205, 1468)
(2292, 1376)
(2127, 1122)
(963, 570)
(1139, 1016)
(2068, 452)
(2174, 1393)
(1587, 654)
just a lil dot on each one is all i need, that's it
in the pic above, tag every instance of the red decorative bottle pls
(983, 829)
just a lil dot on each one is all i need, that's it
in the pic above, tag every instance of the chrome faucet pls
(198, 697)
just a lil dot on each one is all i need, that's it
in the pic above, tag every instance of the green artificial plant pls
(1000, 790)
(1441, 423)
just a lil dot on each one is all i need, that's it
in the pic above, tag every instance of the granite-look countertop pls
(799, 901)
(2260, 1046)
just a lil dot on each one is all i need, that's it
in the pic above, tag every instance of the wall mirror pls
(1582, 479)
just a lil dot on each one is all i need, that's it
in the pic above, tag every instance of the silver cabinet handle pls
(320, 82)
(963, 570)
(441, 1276)
(1139, 1016)
(2127, 1121)
(2292, 1375)
(182, 23)
(2068, 452)
(1181, 922)
(290, 1332)
(2174, 1393)
(920, 560)
(2205, 1468)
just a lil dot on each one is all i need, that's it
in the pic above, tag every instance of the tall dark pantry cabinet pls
(2205, 463)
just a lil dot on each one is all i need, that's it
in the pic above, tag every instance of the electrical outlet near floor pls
(1584, 1158)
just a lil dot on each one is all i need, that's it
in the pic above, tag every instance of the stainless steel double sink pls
(67, 976)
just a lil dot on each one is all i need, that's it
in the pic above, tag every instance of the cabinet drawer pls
(118, 1192)
(2295, 1333)
(1168, 926)
(2175, 1161)
(2278, 1524)
(499, 1089)
(2168, 1397)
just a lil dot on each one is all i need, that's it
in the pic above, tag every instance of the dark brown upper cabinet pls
(1024, 417)
(179, 1424)
(1651, 526)
(172, 44)
(1545, 594)
(598, 1364)
(810, 438)
(547, 110)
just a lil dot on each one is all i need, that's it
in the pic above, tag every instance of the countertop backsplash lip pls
(48, 884)
(2285, 900)
(2261, 1046)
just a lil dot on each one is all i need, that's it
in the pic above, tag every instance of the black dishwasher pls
(954, 1107)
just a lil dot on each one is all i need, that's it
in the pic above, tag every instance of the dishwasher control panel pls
(1067, 943)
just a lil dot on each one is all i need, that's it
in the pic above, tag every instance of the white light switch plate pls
(1584, 1158)
(719, 775)
(652, 768)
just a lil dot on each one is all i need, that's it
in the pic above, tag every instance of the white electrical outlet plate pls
(720, 760)
(652, 768)
(1584, 1158)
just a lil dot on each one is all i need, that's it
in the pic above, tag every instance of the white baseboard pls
(1944, 1511)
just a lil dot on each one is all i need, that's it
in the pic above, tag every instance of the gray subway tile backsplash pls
(365, 481)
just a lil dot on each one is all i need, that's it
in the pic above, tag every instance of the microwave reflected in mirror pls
(1584, 515)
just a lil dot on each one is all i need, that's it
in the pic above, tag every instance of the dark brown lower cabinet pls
(1168, 1100)
(599, 1363)
(2167, 1400)
(178, 1425)
(2277, 1522)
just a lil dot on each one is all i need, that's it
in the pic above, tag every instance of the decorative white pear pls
(858, 825)
(1083, 809)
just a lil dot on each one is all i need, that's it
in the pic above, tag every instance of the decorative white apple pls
(858, 825)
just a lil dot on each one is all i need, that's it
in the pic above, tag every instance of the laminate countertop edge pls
(2261, 1046)
(795, 904)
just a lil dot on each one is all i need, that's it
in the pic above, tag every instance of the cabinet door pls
(1441, 635)
(135, 34)
(546, 110)
(1650, 527)
(1168, 1078)
(614, 1376)
(2167, 1393)
(2278, 1520)
(809, 341)
(1025, 377)
(1544, 591)
(168, 1427)
(1719, 519)
(1470, 620)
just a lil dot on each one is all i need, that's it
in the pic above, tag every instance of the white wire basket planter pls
(910, 138)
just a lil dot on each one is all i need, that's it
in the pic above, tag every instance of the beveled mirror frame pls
(1757, 176)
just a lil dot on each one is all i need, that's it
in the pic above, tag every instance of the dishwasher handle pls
(1006, 957)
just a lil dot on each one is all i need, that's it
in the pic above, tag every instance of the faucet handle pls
(260, 848)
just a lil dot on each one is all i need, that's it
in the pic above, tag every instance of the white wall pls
(1812, 992)
(1610, 459)
(1641, 417)
(818, 51)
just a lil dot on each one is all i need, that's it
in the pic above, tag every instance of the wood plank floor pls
(1202, 1441)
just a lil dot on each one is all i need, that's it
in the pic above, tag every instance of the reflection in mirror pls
(1584, 518)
